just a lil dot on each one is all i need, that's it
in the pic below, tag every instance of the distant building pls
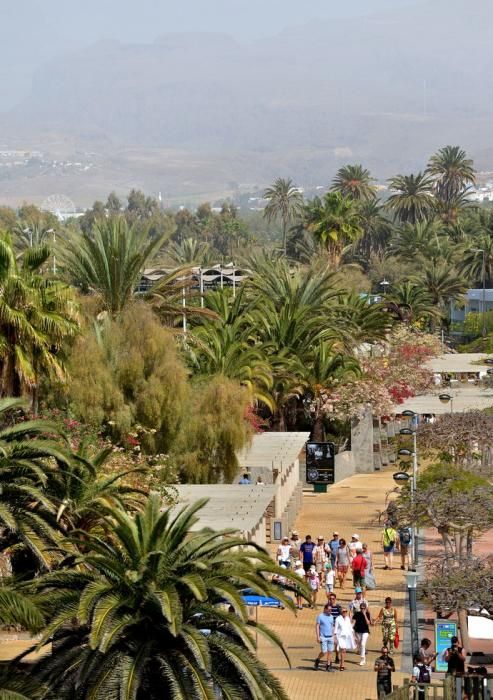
(473, 304)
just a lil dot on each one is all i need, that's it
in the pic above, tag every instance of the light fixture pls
(400, 477)
(412, 579)
(404, 454)
(408, 413)
(444, 398)
(406, 431)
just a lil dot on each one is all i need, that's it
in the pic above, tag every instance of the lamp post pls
(414, 484)
(385, 284)
(446, 398)
(483, 303)
(412, 585)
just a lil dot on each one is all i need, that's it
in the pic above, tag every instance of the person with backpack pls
(405, 541)
(421, 675)
(389, 538)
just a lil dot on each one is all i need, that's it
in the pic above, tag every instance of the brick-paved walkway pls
(349, 507)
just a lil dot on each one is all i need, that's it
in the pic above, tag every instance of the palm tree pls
(225, 350)
(190, 251)
(443, 283)
(478, 251)
(426, 238)
(323, 372)
(285, 202)
(334, 222)
(27, 514)
(412, 199)
(36, 316)
(376, 230)
(362, 322)
(354, 182)
(82, 489)
(109, 261)
(150, 620)
(410, 303)
(453, 172)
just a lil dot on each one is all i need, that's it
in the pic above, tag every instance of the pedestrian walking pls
(334, 546)
(306, 553)
(421, 675)
(384, 666)
(295, 543)
(324, 627)
(389, 538)
(405, 542)
(284, 553)
(369, 573)
(388, 617)
(358, 566)
(342, 561)
(299, 571)
(320, 556)
(336, 611)
(313, 581)
(245, 479)
(329, 574)
(361, 626)
(344, 635)
(353, 546)
(358, 600)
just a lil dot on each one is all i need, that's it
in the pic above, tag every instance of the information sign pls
(320, 462)
(444, 631)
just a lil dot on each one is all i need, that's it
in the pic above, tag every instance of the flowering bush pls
(395, 375)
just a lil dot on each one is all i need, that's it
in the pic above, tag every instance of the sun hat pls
(312, 568)
(294, 532)
(335, 533)
(358, 590)
(355, 537)
(320, 537)
(298, 563)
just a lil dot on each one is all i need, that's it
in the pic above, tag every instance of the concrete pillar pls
(362, 442)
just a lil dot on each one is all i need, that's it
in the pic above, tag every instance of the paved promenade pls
(349, 507)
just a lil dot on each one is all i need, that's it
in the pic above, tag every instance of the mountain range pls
(192, 112)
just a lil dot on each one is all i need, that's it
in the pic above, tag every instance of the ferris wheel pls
(59, 205)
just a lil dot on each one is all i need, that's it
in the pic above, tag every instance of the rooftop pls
(273, 450)
(458, 362)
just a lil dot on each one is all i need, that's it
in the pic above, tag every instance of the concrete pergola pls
(458, 363)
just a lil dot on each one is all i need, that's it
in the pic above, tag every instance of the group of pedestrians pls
(326, 562)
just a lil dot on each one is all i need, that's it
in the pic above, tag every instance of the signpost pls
(320, 464)
(444, 631)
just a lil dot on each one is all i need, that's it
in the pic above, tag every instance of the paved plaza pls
(349, 507)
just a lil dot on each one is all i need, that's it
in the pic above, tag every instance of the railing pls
(469, 686)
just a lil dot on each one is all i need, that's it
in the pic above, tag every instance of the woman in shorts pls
(342, 561)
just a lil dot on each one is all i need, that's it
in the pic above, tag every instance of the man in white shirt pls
(354, 545)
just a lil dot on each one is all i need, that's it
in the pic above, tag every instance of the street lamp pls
(412, 585)
(385, 284)
(483, 304)
(445, 398)
(414, 484)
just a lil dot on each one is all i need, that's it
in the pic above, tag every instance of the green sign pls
(444, 631)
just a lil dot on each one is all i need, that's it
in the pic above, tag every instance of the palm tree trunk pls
(318, 430)
(285, 236)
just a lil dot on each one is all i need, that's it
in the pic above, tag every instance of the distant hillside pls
(386, 90)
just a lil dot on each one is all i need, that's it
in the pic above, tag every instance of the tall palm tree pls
(36, 316)
(362, 322)
(478, 251)
(412, 199)
(285, 202)
(109, 261)
(376, 230)
(453, 172)
(354, 181)
(334, 221)
(151, 620)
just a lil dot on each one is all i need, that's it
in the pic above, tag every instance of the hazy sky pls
(33, 31)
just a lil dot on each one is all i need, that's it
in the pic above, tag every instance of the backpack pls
(405, 536)
(424, 674)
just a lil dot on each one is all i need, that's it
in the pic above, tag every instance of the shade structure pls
(260, 601)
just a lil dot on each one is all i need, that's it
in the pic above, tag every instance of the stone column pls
(362, 442)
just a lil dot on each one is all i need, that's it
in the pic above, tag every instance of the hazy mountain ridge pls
(385, 89)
